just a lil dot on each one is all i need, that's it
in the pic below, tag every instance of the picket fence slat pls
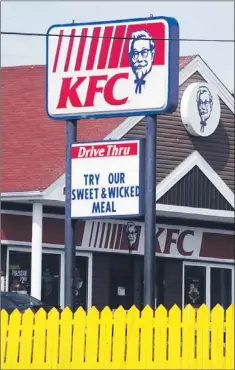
(65, 339)
(92, 338)
(133, 338)
(119, 338)
(78, 346)
(146, 340)
(174, 341)
(39, 342)
(4, 334)
(188, 338)
(161, 339)
(203, 337)
(217, 337)
(13, 342)
(105, 345)
(52, 348)
(229, 338)
(25, 354)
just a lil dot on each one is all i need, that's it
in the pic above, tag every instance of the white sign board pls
(106, 179)
(115, 68)
(200, 109)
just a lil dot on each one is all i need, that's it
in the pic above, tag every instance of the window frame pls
(51, 250)
(208, 267)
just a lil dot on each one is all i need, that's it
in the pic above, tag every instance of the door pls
(51, 278)
(19, 274)
(122, 282)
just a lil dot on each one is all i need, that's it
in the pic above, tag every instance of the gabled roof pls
(33, 146)
(195, 159)
(204, 214)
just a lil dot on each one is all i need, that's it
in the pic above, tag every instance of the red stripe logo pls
(58, 50)
(117, 46)
(106, 42)
(113, 52)
(81, 49)
(70, 48)
(93, 48)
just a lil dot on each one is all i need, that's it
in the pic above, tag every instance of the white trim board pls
(29, 214)
(195, 159)
(192, 213)
(45, 246)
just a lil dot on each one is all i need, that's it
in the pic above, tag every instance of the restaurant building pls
(194, 206)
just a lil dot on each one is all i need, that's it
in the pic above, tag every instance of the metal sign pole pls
(150, 211)
(70, 247)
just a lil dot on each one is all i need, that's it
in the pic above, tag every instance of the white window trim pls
(208, 267)
(62, 272)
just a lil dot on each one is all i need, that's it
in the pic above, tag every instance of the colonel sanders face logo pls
(204, 105)
(193, 293)
(131, 233)
(141, 56)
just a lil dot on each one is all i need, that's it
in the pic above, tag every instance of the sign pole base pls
(70, 247)
(150, 211)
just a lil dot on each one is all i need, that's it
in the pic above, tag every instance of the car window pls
(23, 300)
(6, 303)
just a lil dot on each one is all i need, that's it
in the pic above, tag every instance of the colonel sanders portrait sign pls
(200, 109)
(116, 68)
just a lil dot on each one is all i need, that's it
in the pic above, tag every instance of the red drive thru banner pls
(107, 179)
(115, 68)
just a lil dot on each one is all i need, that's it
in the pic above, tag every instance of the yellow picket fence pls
(124, 340)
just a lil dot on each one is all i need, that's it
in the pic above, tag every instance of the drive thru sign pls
(107, 179)
(115, 68)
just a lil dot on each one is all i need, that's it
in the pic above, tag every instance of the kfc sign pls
(116, 68)
(179, 241)
(175, 241)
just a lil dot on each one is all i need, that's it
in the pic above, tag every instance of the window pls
(210, 284)
(19, 271)
(194, 285)
(221, 290)
(19, 275)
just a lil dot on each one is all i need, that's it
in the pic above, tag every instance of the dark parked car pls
(12, 300)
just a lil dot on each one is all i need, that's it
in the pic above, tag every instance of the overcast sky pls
(197, 19)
